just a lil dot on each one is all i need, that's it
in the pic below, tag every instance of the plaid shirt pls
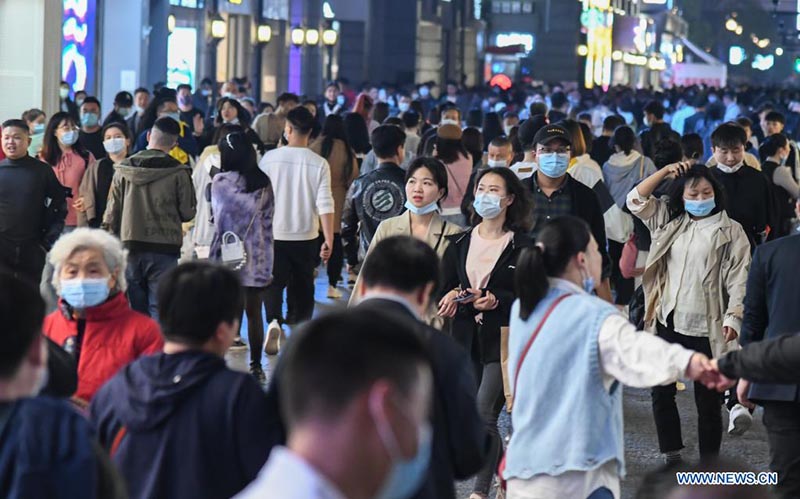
(548, 208)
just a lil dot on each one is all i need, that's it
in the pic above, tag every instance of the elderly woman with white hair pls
(94, 321)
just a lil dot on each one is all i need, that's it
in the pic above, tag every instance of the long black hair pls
(519, 216)
(438, 172)
(492, 127)
(559, 240)
(241, 113)
(771, 145)
(156, 104)
(692, 177)
(450, 150)
(332, 130)
(51, 151)
(357, 133)
(624, 138)
(238, 155)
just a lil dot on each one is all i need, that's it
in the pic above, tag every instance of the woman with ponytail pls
(567, 412)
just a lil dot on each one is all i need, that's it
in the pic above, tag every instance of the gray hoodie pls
(622, 172)
(151, 195)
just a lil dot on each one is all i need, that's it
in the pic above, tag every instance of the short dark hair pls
(655, 108)
(402, 263)
(610, 123)
(584, 116)
(91, 100)
(288, 97)
(332, 360)
(667, 151)
(744, 122)
(729, 134)
(410, 118)
(500, 141)
(301, 120)
(537, 108)
(141, 90)
(182, 86)
(194, 298)
(32, 114)
(394, 120)
(122, 127)
(558, 99)
(519, 217)
(15, 123)
(775, 116)
(692, 144)
(437, 169)
(386, 139)
(168, 126)
(123, 98)
(22, 312)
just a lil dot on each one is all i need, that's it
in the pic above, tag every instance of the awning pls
(701, 54)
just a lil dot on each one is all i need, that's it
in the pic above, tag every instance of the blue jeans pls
(143, 273)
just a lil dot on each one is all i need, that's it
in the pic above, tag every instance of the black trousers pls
(254, 299)
(623, 287)
(294, 261)
(782, 420)
(336, 262)
(708, 402)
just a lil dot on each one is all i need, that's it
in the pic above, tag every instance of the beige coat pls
(401, 226)
(337, 159)
(725, 276)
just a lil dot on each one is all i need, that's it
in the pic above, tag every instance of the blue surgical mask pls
(552, 164)
(124, 111)
(430, 208)
(38, 128)
(424, 91)
(69, 138)
(403, 106)
(699, 207)
(588, 283)
(84, 293)
(406, 475)
(341, 99)
(487, 205)
(174, 116)
(89, 119)
(37, 141)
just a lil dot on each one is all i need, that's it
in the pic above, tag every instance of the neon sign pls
(598, 24)
(78, 35)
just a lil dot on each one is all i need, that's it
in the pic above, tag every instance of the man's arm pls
(755, 319)
(56, 210)
(113, 214)
(187, 201)
(349, 230)
(773, 361)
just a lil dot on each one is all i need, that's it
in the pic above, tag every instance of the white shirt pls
(524, 169)
(630, 357)
(287, 476)
(301, 181)
(586, 171)
(684, 295)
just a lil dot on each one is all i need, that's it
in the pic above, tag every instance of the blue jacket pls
(46, 451)
(186, 426)
(770, 306)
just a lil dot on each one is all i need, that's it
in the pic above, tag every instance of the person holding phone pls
(694, 284)
(478, 269)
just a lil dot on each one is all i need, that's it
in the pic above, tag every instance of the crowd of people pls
(502, 251)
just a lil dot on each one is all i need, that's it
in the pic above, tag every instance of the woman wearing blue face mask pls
(478, 274)
(694, 284)
(568, 435)
(36, 120)
(94, 321)
(426, 187)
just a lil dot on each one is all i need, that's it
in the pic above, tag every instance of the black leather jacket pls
(372, 198)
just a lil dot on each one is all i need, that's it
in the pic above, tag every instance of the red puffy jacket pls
(113, 336)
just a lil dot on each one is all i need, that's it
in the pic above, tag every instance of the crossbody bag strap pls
(535, 334)
(255, 213)
(441, 235)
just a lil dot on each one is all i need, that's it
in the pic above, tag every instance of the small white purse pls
(232, 246)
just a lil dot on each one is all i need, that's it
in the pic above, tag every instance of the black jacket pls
(460, 440)
(372, 198)
(601, 151)
(585, 205)
(748, 199)
(482, 340)
(781, 203)
(775, 360)
(771, 306)
(654, 134)
(32, 211)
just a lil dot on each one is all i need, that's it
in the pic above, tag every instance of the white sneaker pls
(334, 293)
(271, 343)
(740, 420)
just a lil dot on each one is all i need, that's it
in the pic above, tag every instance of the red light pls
(501, 80)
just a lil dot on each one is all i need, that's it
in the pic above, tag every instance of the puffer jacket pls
(725, 276)
(151, 195)
(374, 197)
(107, 338)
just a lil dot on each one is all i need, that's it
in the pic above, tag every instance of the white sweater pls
(301, 181)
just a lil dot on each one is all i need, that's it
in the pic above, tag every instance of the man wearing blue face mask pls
(358, 426)
(557, 194)
(91, 134)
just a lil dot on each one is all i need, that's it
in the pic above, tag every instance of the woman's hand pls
(79, 204)
(729, 333)
(488, 302)
(448, 307)
(676, 170)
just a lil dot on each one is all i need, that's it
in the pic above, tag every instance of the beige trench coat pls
(724, 280)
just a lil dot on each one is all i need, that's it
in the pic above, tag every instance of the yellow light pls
(170, 23)
(298, 36)
(731, 24)
(779, 51)
(218, 29)
(657, 64)
(763, 43)
(312, 36)
(739, 30)
(264, 33)
(330, 37)
(636, 60)
(616, 55)
(583, 50)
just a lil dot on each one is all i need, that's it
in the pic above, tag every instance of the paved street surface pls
(641, 444)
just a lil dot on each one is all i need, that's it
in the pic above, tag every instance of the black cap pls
(552, 132)
(529, 127)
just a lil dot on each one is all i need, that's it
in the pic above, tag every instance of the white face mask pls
(447, 121)
(114, 146)
(496, 163)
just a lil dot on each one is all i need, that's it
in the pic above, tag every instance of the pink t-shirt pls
(458, 174)
(482, 257)
(69, 171)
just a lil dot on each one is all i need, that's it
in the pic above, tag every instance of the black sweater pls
(748, 200)
(774, 361)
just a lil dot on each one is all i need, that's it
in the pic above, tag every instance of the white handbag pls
(232, 246)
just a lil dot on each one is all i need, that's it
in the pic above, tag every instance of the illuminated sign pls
(597, 22)
(736, 55)
(511, 39)
(500, 80)
(636, 60)
(78, 35)
(763, 62)
(181, 57)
